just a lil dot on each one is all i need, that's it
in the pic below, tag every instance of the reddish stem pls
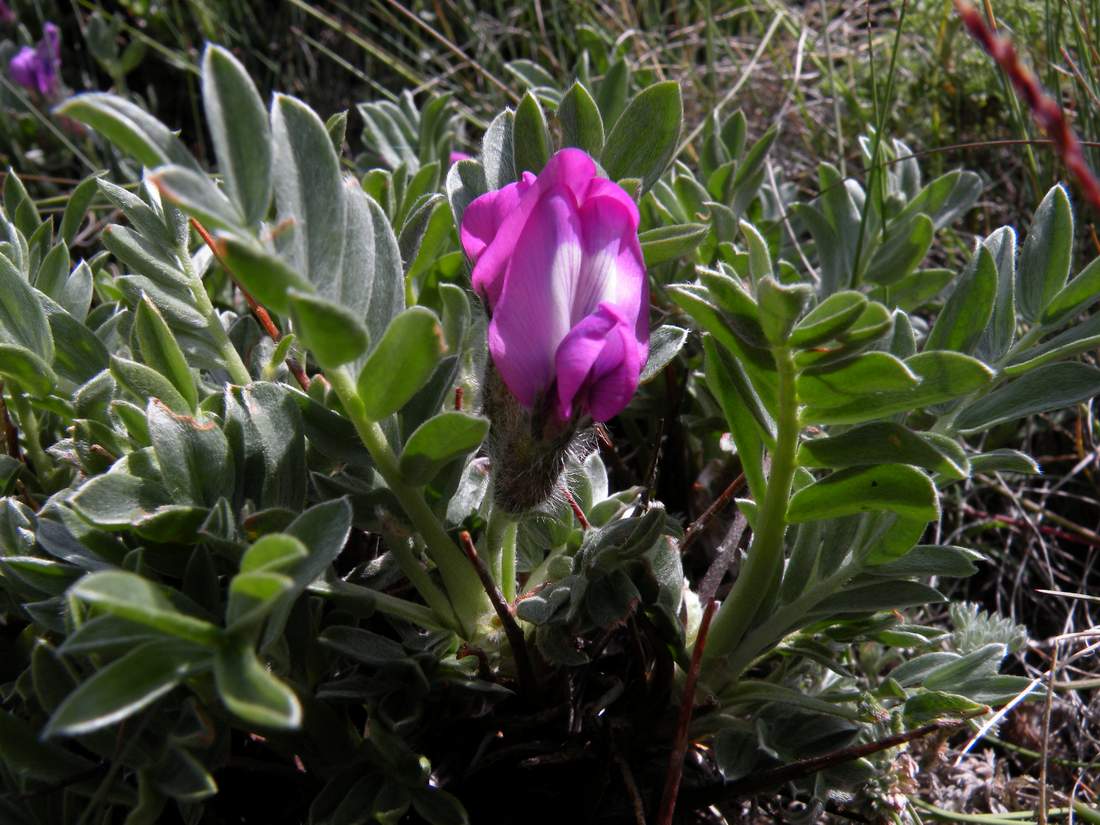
(696, 527)
(576, 508)
(511, 627)
(262, 315)
(687, 704)
(1045, 111)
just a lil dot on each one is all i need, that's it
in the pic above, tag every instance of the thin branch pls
(576, 508)
(697, 526)
(687, 704)
(792, 771)
(511, 627)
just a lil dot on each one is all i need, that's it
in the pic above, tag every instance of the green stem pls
(764, 562)
(459, 578)
(230, 357)
(410, 565)
(32, 441)
(542, 572)
(508, 561)
(364, 601)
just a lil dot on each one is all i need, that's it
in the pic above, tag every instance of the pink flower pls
(38, 69)
(557, 260)
(457, 156)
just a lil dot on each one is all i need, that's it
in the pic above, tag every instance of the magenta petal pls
(571, 168)
(532, 315)
(24, 68)
(457, 156)
(597, 365)
(491, 226)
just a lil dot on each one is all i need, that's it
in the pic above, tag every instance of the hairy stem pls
(764, 562)
(463, 587)
(231, 358)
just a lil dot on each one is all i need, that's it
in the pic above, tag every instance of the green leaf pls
(384, 278)
(1075, 297)
(924, 707)
(779, 307)
(414, 339)
(966, 314)
(22, 319)
(643, 140)
(899, 488)
(77, 207)
(1004, 461)
(252, 596)
(880, 443)
(438, 441)
(664, 344)
(125, 686)
(308, 190)
(888, 595)
(465, 182)
(251, 692)
(916, 290)
(930, 560)
(749, 423)
(130, 128)
(943, 376)
(144, 257)
(26, 755)
(160, 350)
(828, 319)
(998, 336)
(273, 553)
(530, 137)
(53, 272)
(193, 454)
(196, 194)
(667, 243)
(22, 367)
(439, 807)
(497, 154)
(362, 645)
(239, 128)
(1044, 389)
(581, 124)
(331, 332)
(144, 383)
(901, 252)
(265, 275)
(1046, 253)
(131, 597)
(864, 376)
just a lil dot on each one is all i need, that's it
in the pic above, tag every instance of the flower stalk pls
(461, 583)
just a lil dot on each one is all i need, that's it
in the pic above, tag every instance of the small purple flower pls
(38, 68)
(557, 259)
(457, 156)
(7, 16)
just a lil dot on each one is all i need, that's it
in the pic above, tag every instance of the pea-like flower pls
(39, 68)
(557, 260)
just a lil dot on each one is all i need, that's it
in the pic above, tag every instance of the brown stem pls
(697, 526)
(680, 742)
(511, 627)
(262, 315)
(1044, 110)
(765, 780)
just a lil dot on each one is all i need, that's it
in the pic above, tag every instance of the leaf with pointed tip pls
(239, 128)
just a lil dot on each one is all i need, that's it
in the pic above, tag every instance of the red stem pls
(687, 704)
(1046, 112)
